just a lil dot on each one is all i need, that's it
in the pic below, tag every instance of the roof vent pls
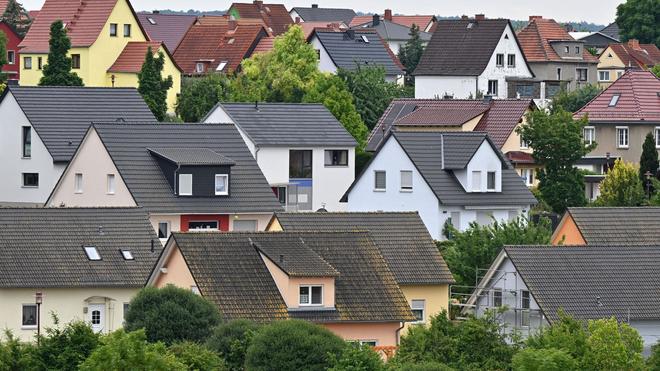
(101, 232)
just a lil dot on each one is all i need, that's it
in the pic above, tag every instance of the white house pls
(306, 155)
(41, 127)
(448, 177)
(470, 57)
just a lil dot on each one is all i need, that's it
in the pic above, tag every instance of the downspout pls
(476, 86)
(442, 151)
(398, 331)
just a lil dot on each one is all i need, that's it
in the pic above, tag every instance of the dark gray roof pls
(192, 156)
(288, 124)
(168, 28)
(625, 278)
(325, 14)
(229, 271)
(347, 52)
(612, 30)
(129, 149)
(61, 115)
(293, 257)
(618, 225)
(401, 237)
(44, 247)
(393, 31)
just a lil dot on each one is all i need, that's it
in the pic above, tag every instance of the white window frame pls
(221, 66)
(78, 183)
(657, 137)
(591, 129)
(497, 60)
(167, 233)
(185, 176)
(603, 73)
(92, 253)
(523, 144)
(127, 254)
(627, 136)
(501, 292)
(614, 100)
(111, 184)
(406, 187)
(524, 314)
(199, 67)
(225, 181)
(310, 304)
(508, 58)
(493, 84)
(27, 63)
(488, 174)
(29, 327)
(414, 307)
(376, 172)
(368, 342)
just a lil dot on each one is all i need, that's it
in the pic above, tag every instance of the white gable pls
(485, 160)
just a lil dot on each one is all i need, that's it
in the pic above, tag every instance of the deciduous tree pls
(197, 357)
(574, 100)
(621, 186)
(57, 72)
(199, 95)
(638, 19)
(152, 86)
(230, 340)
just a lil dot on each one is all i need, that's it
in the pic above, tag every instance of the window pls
(92, 253)
(199, 67)
(622, 137)
(525, 90)
(231, 41)
(200, 226)
(524, 304)
(499, 60)
(127, 255)
(221, 66)
(245, 225)
(589, 135)
(380, 180)
(567, 49)
(417, 307)
(27, 141)
(113, 29)
(490, 184)
(476, 181)
(111, 184)
(364, 38)
(311, 295)
(614, 100)
(603, 75)
(163, 230)
(280, 192)
(492, 87)
(127, 30)
(300, 164)
(185, 184)
(221, 184)
(78, 183)
(11, 57)
(523, 144)
(151, 20)
(335, 157)
(371, 343)
(40, 63)
(406, 180)
(657, 137)
(29, 315)
(497, 297)
(559, 74)
(511, 60)
(75, 61)
(618, 74)
(528, 176)
(577, 50)
(126, 306)
(31, 180)
(581, 74)
(27, 63)
(96, 317)
(455, 219)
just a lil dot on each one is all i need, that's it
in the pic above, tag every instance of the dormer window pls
(490, 180)
(199, 67)
(185, 184)
(221, 184)
(311, 295)
(92, 253)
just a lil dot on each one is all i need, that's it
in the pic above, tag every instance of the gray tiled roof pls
(293, 124)
(44, 247)
(229, 271)
(291, 255)
(347, 52)
(61, 115)
(612, 30)
(128, 147)
(192, 156)
(625, 278)
(325, 14)
(393, 31)
(618, 225)
(401, 237)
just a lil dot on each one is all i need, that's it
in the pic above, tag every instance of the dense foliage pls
(648, 161)
(65, 348)
(410, 54)
(151, 84)
(231, 340)
(3, 54)
(574, 100)
(656, 70)
(57, 72)
(199, 95)
(16, 17)
(622, 186)
(357, 357)
(638, 19)
(197, 357)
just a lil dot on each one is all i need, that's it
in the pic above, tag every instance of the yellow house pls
(617, 58)
(406, 246)
(104, 34)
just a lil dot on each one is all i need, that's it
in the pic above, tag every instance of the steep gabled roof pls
(275, 16)
(612, 30)
(536, 41)
(131, 59)
(290, 254)
(168, 28)
(637, 55)
(638, 100)
(316, 14)
(393, 31)
(422, 21)
(61, 115)
(617, 225)
(44, 247)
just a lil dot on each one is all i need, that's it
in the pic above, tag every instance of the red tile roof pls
(502, 118)
(3, 5)
(265, 45)
(639, 100)
(535, 40)
(132, 57)
(405, 20)
(519, 157)
(274, 16)
(220, 20)
(633, 54)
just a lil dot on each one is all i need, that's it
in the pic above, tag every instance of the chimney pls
(634, 43)
(315, 6)
(376, 20)
(258, 3)
(350, 34)
(156, 12)
(479, 17)
(388, 15)
(535, 17)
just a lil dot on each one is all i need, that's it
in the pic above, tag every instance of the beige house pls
(77, 264)
(617, 58)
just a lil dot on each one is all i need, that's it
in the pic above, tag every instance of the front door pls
(96, 316)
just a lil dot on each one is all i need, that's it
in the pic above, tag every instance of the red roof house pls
(636, 55)
(12, 68)
(425, 23)
(275, 16)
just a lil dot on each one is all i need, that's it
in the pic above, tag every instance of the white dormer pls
(483, 173)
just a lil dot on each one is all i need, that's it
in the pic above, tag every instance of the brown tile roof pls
(3, 5)
(265, 45)
(220, 20)
(638, 100)
(442, 116)
(535, 40)
(132, 57)
(637, 55)
(168, 28)
(519, 157)
(405, 20)
(275, 16)
(502, 118)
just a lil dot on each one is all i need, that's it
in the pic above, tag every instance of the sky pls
(596, 11)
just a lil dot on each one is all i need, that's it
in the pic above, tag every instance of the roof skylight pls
(364, 38)
(92, 253)
(127, 254)
(221, 66)
(614, 100)
(151, 20)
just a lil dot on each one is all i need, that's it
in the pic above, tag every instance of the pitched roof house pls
(168, 28)
(275, 16)
(13, 61)
(617, 58)
(469, 57)
(557, 60)
(597, 41)
(86, 263)
(305, 153)
(612, 30)
(448, 177)
(394, 34)
(316, 14)
(43, 126)
(337, 279)
(425, 23)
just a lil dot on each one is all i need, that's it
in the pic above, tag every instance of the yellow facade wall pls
(436, 299)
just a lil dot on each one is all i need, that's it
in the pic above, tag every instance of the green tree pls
(171, 314)
(122, 350)
(65, 348)
(420, 366)
(567, 334)
(14, 354)
(16, 17)
(57, 72)
(558, 144)
(293, 345)
(230, 340)
(638, 19)
(656, 70)
(653, 362)
(621, 186)
(574, 100)
(649, 159)
(357, 357)
(152, 86)
(543, 360)
(613, 346)
(410, 54)
(199, 95)
(197, 357)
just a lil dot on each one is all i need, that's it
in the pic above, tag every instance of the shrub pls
(65, 349)
(197, 357)
(613, 346)
(422, 366)
(358, 358)
(171, 314)
(14, 355)
(231, 340)
(293, 345)
(543, 360)
(653, 362)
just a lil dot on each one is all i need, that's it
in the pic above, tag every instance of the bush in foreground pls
(197, 357)
(230, 340)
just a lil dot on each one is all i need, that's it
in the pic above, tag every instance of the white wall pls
(429, 87)
(12, 165)
(485, 160)
(325, 63)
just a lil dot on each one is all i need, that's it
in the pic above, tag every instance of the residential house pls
(326, 15)
(42, 127)
(557, 60)
(608, 226)
(426, 23)
(596, 41)
(275, 16)
(185, 176)
(349, 49)
(447, 177)
(169, 28)
(497, 117)
(394, 34)
(618, 58)
(403, 241)
(336, 279)
(82, 264)
(306, 155)
(108, 44)
(532, 284)
(469, 58)
(12, 68)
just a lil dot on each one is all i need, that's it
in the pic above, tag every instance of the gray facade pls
(606, 138)
(549, 81)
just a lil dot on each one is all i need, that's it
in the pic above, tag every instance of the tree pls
(567, 334)
(558, 144)
(199, 95)
(638, 19)
(151, 84)
(543, 360)
(621, 186)
(574, 100)
(3, 54)
(421, 366)
(14, 355)
(65, 348)
(410, 54)
(293, 345)
(122, 350)
(653, 362)
(230, 340)
(197, 357)
(171, 314)
(613, 346)
(357, 357)
(16, 17)
(57, 72)
(648, 162)
(656, 70)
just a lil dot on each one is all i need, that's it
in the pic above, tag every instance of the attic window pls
(151, 20)
(231, 41)
(364, 38)
(221, 66)
(506, 37)
(614, 100)
(92, 253)
(127, 254)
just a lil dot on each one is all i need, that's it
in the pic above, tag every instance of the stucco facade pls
(436, 299)
(610, 67)
(606, 138)
(567, 232)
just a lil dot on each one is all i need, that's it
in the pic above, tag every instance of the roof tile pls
(168, 28)
(275, 16)
(536, 38)
(131, 59)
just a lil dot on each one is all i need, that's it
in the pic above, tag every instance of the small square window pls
(335, 157)
(27, 63)
(78, 183)
(603, 75)
(75, 61)
(31, 180)
(406, 180)
(113, 29)
(380, 180)
(127, 255)
(163, 230)
(311, 295)
(92, 253)
(29, 315)
(221, 184)
(491, 177)
(511, 60)
(417, 307)
(127, 30)
(185, 184)
(11, 57)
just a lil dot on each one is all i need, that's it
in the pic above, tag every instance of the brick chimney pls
(634, 43)
(479, 17)
(535, 17)
(388, 15)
